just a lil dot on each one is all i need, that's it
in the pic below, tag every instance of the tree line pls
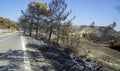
(52, 18)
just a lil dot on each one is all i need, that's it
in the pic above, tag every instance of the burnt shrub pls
(115, 44)
(71, 45)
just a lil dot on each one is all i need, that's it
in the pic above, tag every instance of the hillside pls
(97, 34)
(100, 53)
(7, 24)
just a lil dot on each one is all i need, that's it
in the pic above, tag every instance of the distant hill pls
(97, 33)
(7, 24)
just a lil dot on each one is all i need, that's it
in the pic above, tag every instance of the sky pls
(102, 12)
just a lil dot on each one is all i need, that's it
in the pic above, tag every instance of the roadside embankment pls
(4, 32)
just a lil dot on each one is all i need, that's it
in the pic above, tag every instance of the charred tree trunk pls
(51, 29)
(24, 31)
(37, 26)
(58, 34)
(36, 32)
(30, 33)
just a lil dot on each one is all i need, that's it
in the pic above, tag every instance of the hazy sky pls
(102, 12)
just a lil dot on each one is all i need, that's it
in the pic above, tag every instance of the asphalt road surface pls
(13, 41)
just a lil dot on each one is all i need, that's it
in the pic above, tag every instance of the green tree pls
(22, 21)
(29, 16)
(58, 12)
(35, 13)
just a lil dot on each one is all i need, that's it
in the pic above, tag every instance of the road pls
(13, 41)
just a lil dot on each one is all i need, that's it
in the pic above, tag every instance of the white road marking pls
(23, 43)
(26, 59)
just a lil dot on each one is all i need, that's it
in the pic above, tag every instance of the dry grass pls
(70, 45)
(107, 56)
